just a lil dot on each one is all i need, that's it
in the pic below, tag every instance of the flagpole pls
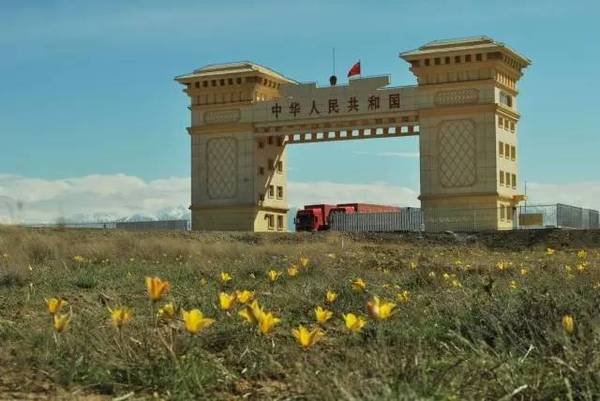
(333, 61)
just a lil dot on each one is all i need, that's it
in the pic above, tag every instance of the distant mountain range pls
(170, 213)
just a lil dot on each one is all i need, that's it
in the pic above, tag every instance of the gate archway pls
(463, 108)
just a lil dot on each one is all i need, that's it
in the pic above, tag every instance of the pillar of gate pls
(238, 175)
(468, 116)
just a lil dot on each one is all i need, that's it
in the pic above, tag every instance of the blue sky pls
(87, 87)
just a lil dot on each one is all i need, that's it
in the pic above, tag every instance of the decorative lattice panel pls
(456, 96)
(221, 155)
(456, 153)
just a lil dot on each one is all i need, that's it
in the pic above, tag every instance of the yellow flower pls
(244, 296)
(292, 271)
(120, 316)
(252, 313)
(568, 268)
(322, 315)
(305, 337)
(330, 296)
(304, 261)
(431, 274)
(456, 283)
(549, 251)
(167, 311)
(403, 296)
(266, 322)
(512, 285)
(582, 254)
(195, 321)
(55, 305)
(79, 259)
(156, 288)
(354, 323)
(226, 301)
(359, 284)
(380, 310)
(61, 322)
(273, 275)
(568, 324)
(225, 277)
(413, 265)
(446, 276)
(524, 271)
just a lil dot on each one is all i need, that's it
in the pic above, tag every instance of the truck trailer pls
(316, 217)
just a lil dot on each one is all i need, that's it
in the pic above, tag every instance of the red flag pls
(355, 70)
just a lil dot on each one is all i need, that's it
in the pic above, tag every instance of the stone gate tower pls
(468, 130)
(463, 108)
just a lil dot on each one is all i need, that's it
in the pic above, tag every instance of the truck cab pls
(313, 217)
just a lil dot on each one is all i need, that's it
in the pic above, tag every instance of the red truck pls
(316, 217)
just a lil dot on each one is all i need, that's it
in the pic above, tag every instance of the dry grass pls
(484, 331)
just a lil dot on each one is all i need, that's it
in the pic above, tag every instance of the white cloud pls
(581, 194)
(33, 200)
(303, 193)
(407, 155)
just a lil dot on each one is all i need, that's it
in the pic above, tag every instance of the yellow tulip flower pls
(582, 254)
(244, 296)
(568, 324)
(354, 323)
(359, 284)
(304, 261)
(322, 315)
(292, 271)
(195, 321)
(524, 271)
(61, 322)
(549, 251)
(273, 275)
(167, 311)
(225, 277)
(226, 301)
(305, 337)
(120, 316)
(403, 296)
(55, 305)
(252, 313)
(330, 296)
(156, 288)
(380, 310)
(266, 322)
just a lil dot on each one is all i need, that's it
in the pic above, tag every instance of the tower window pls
(279, 192)
(270, 164)
(501, 176)
(279, 222)
(261, 171)
(457, 59)
(279, 166)
(468, 58)
(501, 149)
(261, 144)
(271, 191)
(270, 221)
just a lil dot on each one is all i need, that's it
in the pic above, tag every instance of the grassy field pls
(475, 318)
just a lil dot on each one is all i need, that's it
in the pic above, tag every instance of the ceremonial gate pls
(463, 108)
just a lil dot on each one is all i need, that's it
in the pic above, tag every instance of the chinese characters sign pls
(333, 106)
